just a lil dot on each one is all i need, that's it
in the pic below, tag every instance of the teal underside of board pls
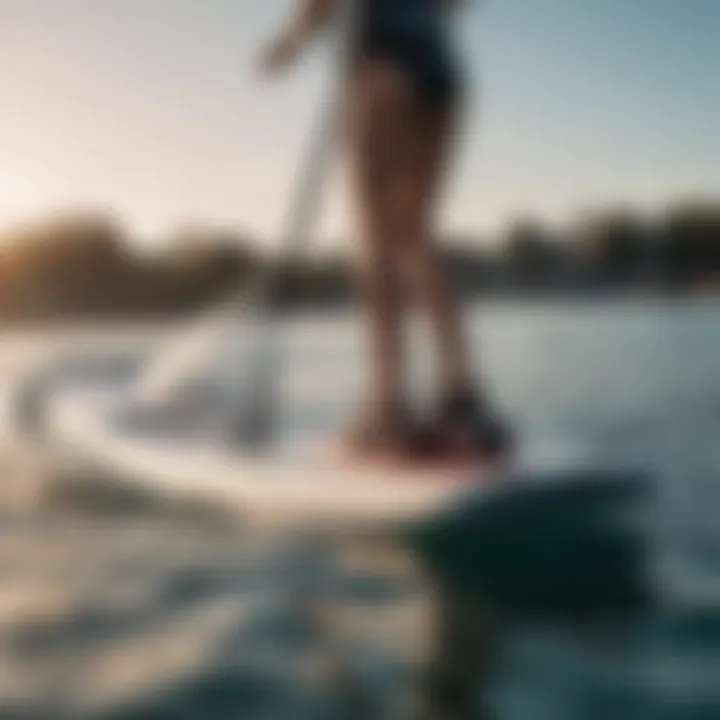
(568, 548)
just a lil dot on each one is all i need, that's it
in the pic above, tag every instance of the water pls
(120, 607)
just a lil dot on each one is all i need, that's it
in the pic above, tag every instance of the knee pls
(379, 266)
(414, 245)
(379, 274)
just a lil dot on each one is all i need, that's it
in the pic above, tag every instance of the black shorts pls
(427, 60)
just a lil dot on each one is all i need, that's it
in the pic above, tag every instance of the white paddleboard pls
(296, 485)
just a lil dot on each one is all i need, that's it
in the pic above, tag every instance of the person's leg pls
(379, 104)
(467, 425)
(415, 199)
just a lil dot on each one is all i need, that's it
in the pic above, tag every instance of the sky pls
(151, 109)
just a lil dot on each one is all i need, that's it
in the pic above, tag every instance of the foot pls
(467, 428)
(393, 436)
(379, 433)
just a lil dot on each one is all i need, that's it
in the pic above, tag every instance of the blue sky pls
(150, 108)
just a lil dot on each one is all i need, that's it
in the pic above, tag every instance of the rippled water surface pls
(116, 606)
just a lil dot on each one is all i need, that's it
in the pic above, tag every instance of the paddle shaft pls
(254, 424)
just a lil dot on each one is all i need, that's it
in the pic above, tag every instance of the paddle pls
(249, 400)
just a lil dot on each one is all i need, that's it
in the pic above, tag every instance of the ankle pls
(457, 382)
(460, 394)
(387, 411)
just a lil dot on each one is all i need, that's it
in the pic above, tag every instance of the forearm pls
(310, 17)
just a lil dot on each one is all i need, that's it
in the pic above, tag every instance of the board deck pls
(296, 484)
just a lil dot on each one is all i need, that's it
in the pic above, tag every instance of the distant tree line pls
(88, 266)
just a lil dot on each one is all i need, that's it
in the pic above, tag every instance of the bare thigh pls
(418, 184)
(380, 110)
